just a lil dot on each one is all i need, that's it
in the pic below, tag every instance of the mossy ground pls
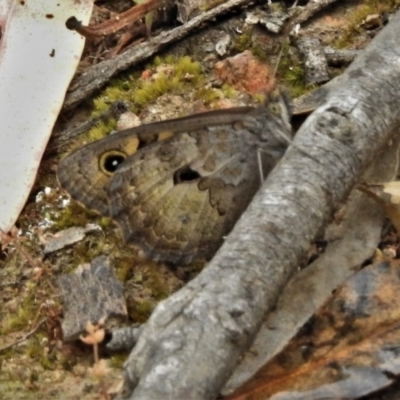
(29, 295)
(354, 32)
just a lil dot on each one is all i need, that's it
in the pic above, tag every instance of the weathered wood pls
(194, 339)
(123, 339)
(340, 57)
(88, 294)
(315, 63)
(351, 240)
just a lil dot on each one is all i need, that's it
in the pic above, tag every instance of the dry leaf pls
(347, 350)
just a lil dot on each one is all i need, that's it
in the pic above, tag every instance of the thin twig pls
(116, 23)
(41, 322)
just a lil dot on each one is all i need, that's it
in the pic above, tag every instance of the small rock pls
(273, 21)
(146, 74)
(315, 63)
(127, 120)
(67, 237)
(90, 293)
(125, 338)
(244, 72)
(223, 44)
(372, 21)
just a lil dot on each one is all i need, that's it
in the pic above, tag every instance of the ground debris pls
(89, 294)
(315, 64)
(274, 21)
(123, 339)
(67, 237)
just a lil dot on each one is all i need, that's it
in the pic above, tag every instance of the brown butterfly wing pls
(178, 198)
(82, 173)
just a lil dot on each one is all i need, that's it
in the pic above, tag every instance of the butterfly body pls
(178, 186)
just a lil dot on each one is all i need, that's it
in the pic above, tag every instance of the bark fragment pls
(315, 63)
(88, 294)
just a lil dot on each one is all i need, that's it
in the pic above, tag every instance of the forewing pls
(178, 198)
(82, 176)
(175, 187)
(83, 173)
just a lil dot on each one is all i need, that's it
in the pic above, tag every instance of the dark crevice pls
(185, 174)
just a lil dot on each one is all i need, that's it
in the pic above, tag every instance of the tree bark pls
(193, 340)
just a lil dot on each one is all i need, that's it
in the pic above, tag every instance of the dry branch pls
(339, 57)
(193, 340)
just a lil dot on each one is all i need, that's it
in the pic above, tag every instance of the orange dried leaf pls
(349, 349)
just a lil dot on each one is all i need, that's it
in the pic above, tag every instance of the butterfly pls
(177, 187)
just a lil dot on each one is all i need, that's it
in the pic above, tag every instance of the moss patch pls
(359, 14)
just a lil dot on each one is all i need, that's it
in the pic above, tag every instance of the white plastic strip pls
(38, 58)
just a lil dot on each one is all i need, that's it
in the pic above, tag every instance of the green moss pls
(291, 74)
(157, 61)
(294, 80)
(117, 361)
(94, 243)
(150, 90)
(34, 349)
(229, 92)
(259, 98)
(99, 106)
(184, 72)
(359, 14)
(117, 89)
(104, 222)
(18, 320)
(86, 250)
(155, 282)
(24, 315)
(123, 267)
(73, 215)
(247, 41)
(208, 95)
(186, 66)
(102, 129)
(140, 311)
(244, 41)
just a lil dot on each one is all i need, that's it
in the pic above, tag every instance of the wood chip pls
(316, 66)
(67, 237)
(90, 293)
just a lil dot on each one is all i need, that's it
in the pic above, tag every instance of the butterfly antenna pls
(284, 137)
(278, 62)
